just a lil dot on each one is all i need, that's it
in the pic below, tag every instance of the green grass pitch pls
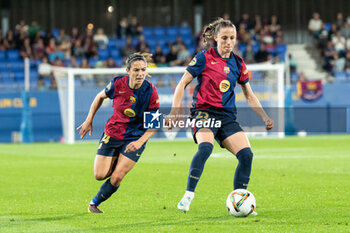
(300, 184)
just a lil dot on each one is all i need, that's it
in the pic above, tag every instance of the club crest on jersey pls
(132, 99)
(129, 112)
(227, 69)
(224, 85)
(193, 62)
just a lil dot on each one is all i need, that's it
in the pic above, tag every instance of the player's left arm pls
(256, 106)
(153, 106)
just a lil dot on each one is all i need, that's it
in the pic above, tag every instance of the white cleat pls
(184, 204)
(254, 213)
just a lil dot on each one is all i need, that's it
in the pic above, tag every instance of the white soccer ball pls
(241, 203)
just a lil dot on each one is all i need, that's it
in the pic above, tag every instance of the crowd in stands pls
(333, 41)
(258, 40)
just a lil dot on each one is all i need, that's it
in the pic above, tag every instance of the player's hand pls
(169, 119)
(85, 128)
(268, 123)
(133, 146)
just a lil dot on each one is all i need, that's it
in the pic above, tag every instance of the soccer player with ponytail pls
(124, 137)
(218, 70)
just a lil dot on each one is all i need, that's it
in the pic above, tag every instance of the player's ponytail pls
(214, 27)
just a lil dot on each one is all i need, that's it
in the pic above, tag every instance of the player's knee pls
(116, 179)
(245, 156)
(100, 175)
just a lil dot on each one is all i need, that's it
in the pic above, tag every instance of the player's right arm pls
(96, 104)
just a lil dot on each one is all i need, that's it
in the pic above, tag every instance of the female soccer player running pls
(218, 69)
(124, 137)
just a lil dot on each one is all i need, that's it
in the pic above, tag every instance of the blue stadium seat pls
(115, 53)
(172, 31)
(161, 42)
(118, 61)
(55, 32)
(17, 66)
(147, 31)
(112, 43)
(339, 75)
(103, 54)
(92, 62)
(165, 49)
(192, 49)
(121, 43)
(188, 41)
(6, 76)
(4, 67)
(327, 26)
(34, 76)
(2, 55)
(185, 31)
(19, 76)
(242, 48)
(13, 55)
(159, 32)
(281, 49)
(255, 47)
(135, 41)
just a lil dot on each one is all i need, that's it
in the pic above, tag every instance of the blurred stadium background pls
(310, 38)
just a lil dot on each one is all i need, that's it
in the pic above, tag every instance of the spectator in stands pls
(340, 20)
(339, 43)
(11, 42)
(328, 55)
(345, 31)
(333, 31)
(315, 24)
(90, 47)
(347, 62)
(258, 24)
(134, 29)
(75, 35)
(26, 50)
(51, 47)
(245, 22)
(262, 54)
(110, 63)
(162, 62)
(128, 49)
(338, 63)
(243, 36)
(248, 55)
(33, 28)
(122, 29)
(44, 69)
(171, 57)
(142, 45)
(53, 84)
(184, 56)
(39, 49)
(21, 27)
(78, 50)
(178, 43)
(73, 62)
(62, 37)
(157, 54)
(172, 82)
(84, 63)
(58, 61)
(101, 39)
(160, 82)
(20, 39)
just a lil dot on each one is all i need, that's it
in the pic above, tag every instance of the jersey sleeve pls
(244, 76)
(110, 89)
(197, 64)
(153, 100)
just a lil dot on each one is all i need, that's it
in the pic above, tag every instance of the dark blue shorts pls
(228, 126)
(112, 147)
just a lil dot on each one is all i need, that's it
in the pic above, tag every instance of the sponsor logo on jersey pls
(224, 85)
(129, 112)
(227, 69)
(132, 99)
(193, 62)
(213, 62)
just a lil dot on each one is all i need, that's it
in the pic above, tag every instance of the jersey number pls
(105, 139)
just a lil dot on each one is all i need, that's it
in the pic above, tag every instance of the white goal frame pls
(69, 127)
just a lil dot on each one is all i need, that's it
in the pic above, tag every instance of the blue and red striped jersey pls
(217, 78)
(126, 123)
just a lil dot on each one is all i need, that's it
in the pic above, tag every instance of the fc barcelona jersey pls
(217, 78)
(126, 123)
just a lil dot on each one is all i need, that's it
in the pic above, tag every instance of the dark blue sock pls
(242, 174)
(106, 190)
(197, 165)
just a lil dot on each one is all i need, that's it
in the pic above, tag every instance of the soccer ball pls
(241, 203)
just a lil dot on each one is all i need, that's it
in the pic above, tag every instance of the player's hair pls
(214, 27)
(146, 57)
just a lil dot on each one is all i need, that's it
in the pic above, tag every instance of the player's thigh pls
(124, 165)
(205, 135)
(103, 166)
(236, 142)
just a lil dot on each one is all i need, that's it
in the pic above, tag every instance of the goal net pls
(77, 89)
